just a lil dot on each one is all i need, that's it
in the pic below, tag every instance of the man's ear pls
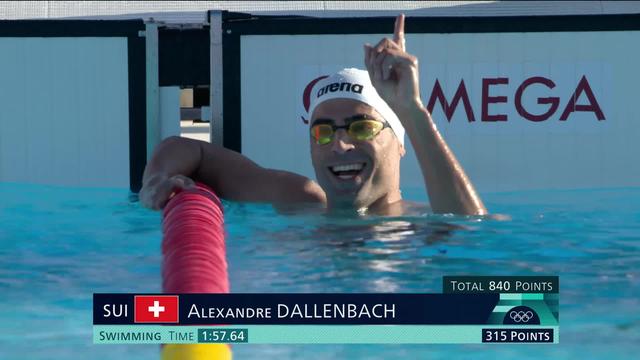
(402, 149)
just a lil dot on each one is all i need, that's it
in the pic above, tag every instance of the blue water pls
(60, 245)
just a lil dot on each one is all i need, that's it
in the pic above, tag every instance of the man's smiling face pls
(355, 173)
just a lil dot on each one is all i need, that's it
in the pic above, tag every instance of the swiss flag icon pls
(155, 308)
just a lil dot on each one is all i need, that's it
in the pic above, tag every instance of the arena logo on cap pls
(344, 86)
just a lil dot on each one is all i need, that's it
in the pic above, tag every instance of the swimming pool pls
(60, 245)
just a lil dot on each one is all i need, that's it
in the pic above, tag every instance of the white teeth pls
(347, 167)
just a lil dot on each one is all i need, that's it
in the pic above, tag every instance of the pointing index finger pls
(398, 31)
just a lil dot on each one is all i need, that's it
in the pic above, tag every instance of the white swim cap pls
(350, 84)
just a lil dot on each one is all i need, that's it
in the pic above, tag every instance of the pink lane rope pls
(194, 243)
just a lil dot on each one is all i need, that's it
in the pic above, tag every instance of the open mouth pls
(347, 171)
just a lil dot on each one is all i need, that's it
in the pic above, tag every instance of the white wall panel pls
(516, 154)
(65, 113)
(53, 9)
(195, 11)
(169, 111)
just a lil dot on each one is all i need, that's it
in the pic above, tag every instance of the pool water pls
(59, 245)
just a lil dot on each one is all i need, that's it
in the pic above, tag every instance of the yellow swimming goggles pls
(359, 127)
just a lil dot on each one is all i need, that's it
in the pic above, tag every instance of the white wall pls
(518, 154)
(169, 111)
(195, 11)
(53, 9)
(64, 116)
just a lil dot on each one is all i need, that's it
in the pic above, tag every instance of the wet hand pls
(393, 71)
(157, 191)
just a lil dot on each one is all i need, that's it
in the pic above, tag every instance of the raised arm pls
(394, 73)
(177, 162)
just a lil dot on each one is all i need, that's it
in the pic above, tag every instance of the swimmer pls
(357, 140)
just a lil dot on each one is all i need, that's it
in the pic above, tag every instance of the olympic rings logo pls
(521, 316)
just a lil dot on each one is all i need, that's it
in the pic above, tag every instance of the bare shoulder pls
(292, 190)
(403, 208)
(312, 200)
(315, 192)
